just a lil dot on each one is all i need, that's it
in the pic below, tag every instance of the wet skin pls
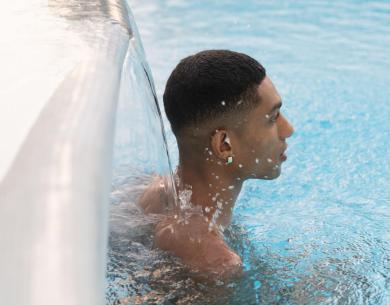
(257, 142)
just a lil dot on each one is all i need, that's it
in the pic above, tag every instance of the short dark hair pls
(210, 83)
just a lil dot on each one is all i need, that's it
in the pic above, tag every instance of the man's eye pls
(275, 117)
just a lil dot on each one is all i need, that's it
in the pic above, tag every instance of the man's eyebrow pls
(276, 106)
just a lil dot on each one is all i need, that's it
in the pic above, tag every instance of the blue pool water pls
(320, 233)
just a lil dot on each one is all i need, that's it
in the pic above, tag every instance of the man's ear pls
(220, 144)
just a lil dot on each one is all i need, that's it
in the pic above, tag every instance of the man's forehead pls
(269, 96)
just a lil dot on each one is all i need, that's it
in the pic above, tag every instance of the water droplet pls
(240, 165)
(219, 204)
(210, 185)
(230, 187)
(213, 199)
(216, 177)
(267, 116)
(210, 152)
(207, 209)
(238, 178)
(223, 103)
(223, 189)
(269, 160)
(239, 102)
(257, 161)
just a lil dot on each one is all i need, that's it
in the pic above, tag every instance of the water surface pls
(320, 233)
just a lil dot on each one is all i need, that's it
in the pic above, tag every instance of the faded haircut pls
(211, 83)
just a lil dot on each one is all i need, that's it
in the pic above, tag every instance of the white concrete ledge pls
(54, 198)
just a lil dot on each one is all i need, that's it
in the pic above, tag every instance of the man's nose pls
(286, 129)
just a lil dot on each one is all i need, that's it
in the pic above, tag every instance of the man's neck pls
(212, 186)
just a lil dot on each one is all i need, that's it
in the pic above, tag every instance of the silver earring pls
(229, 160)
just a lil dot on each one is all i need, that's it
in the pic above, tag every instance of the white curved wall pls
(61, 67)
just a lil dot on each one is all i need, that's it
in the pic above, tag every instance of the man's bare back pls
(199, 245)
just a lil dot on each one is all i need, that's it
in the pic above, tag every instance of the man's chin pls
(273, 175)
(270, 176)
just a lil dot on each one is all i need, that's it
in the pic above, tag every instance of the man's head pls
(221, 104)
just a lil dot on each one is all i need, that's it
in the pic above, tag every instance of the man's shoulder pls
(154, 199)
(199, 247)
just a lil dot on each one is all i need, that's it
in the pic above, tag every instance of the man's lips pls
(283, 156)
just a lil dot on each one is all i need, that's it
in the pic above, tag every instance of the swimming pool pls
(320, 233)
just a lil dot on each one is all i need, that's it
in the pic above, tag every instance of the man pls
(225, 114)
